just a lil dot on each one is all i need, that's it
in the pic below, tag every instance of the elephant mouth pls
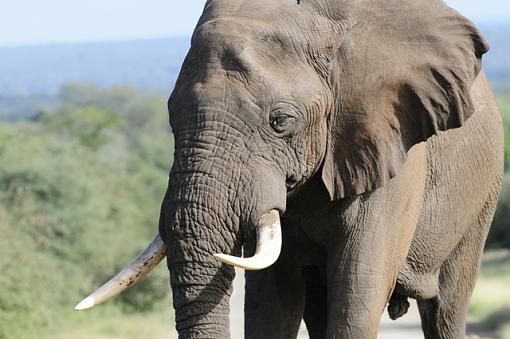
(291, 184)
(269, 243)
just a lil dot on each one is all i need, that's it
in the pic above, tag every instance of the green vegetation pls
(500, 232)
(490, 303)
(113, 324)
(80, 190)
(504, 106)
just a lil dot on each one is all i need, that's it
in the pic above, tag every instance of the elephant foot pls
(398, 306)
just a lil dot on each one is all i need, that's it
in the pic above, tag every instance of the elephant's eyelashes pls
(281, 122)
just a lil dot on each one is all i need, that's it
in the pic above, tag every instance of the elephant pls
(350, 150)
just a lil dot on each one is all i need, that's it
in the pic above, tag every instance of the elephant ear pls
(398, 79)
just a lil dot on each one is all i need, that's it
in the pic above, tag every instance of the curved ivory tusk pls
(269, 245)
(134, 271)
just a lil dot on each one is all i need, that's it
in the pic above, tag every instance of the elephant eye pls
(280, 121)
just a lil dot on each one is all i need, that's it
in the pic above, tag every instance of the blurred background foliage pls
(80, 190)
(500, 232)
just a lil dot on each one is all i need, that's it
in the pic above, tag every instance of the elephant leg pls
(315, 315)
(362, 268)
(444, 317)
(274, 300)
(358, 292)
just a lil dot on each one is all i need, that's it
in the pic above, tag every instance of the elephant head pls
(275, 93)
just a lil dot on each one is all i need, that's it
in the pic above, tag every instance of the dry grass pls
(121, 326)
(490, 303)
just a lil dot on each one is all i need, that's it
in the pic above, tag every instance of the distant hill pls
(41, 70)
(31, 76)
(497, 61)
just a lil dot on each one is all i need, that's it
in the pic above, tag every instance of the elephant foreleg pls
(358, 292)
(316, 312)
(274, 300)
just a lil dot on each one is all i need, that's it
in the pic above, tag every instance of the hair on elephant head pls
(273, 93)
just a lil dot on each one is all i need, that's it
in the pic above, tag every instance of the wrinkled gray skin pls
(369, 125)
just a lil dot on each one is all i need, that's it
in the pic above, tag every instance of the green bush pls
(80, 190)
(499, 235)
(490, 303)
(504, 107)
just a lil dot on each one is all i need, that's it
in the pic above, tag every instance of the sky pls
(26, 22)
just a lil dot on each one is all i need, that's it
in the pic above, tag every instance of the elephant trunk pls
(199, 218)
(201, 289)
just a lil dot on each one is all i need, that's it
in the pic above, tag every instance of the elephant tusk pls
(134, 271)
(269, 245)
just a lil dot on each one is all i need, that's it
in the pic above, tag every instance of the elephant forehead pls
(236, 34)
(263, 56)
(260, 9)
(273, 24)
